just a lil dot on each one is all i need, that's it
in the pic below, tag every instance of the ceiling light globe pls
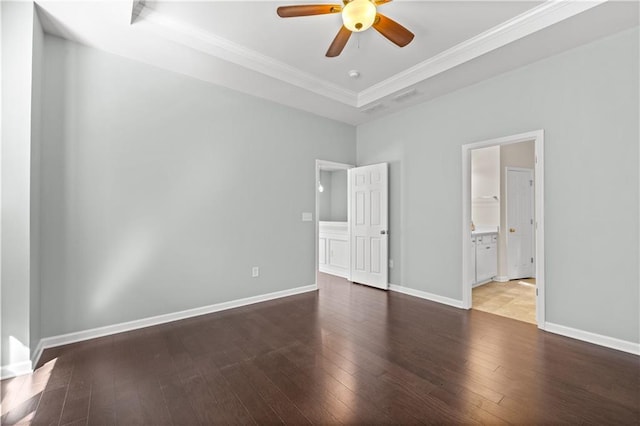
(358, 15)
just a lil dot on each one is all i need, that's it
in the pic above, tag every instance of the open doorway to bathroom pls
(502, 202)
(332, 220)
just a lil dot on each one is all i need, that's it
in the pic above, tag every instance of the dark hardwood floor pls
(344, 354)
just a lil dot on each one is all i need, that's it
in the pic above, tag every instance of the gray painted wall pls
(587, 102)
(162, 191)
(339, 195)
(333, 200)
(150, 204)
(324, 197)
(15, 265)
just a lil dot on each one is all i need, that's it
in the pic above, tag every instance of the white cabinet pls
(486, 257)
(333, 249)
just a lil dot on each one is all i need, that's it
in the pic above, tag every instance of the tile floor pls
(514, 299)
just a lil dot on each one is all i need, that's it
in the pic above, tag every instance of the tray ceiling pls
(247, 47)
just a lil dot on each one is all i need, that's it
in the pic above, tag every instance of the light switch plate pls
(307, 217)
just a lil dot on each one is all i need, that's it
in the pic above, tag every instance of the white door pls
(519, 210)
(368, 194)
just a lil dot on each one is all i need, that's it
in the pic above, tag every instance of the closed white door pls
(368, 192)
(520, 233)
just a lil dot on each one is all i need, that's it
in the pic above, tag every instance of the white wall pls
(20, 53)
(515, 155)
(485, 184)
(162, 191)
(587, 101)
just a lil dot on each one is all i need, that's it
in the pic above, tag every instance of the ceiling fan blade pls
(381, 2)
(308, 10)
(339, 42)
(393, 31)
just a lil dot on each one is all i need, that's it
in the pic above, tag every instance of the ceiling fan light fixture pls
(358, 15)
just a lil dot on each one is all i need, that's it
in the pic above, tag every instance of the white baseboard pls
(428, 296)
(501, 278)
(16, 369)
(78, 336)
(598, 339)
(35, 356)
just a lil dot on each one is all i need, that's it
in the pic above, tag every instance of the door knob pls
(512, 229)
(383, 232)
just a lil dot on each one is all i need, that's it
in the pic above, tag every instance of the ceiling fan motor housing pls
(358, 15)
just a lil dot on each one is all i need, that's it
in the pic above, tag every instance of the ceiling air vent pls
(373, 108)
(401, 97)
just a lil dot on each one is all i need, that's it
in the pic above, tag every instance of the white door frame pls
(329, 165)
(538, 137)
(506, 212)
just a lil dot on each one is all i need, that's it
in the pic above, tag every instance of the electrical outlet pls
(391, 263)
(255, 272)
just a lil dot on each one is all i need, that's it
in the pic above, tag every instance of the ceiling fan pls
(357, 16)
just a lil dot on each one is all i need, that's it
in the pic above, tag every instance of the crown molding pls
(536, 19)
(232, 52)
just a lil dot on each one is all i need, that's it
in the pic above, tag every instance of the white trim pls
(598, 339)
(542, 16)
(35, 357)
(538, 193)
(427, 296)
(529, 22)
(501, 279)
(538, 137)
(16, 369)
(211, 44)
(65, 339)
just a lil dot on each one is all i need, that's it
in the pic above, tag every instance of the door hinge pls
(536, 291)
(530, 183)
(532, 260)
(532, 221)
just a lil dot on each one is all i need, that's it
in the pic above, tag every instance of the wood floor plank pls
(345, 354)
(311, 405)
(272, 395)
(179, 406)
(258, 409)
(50, 407)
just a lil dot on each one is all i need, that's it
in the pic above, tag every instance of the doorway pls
(352, 222)
(331, 218)
(503, 227)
